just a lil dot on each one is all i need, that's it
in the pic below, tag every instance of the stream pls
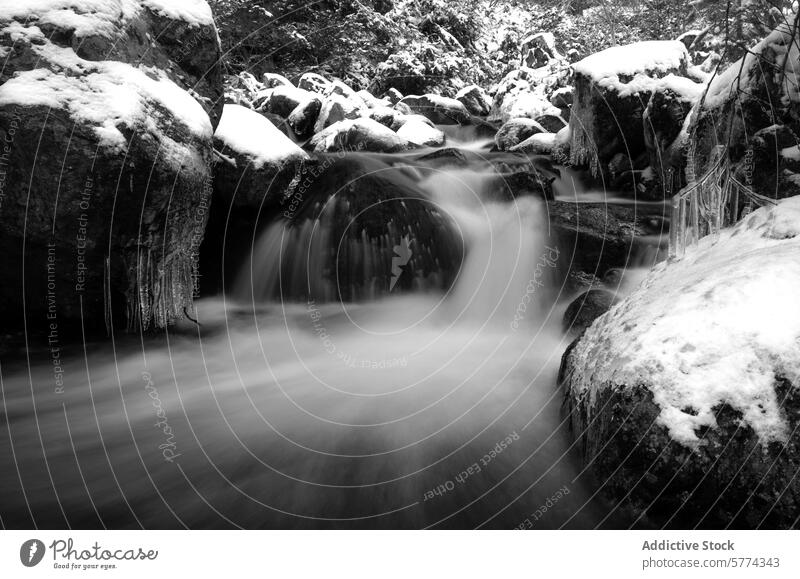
(431, 404)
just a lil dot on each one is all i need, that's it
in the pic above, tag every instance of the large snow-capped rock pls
(685, 394)
(612, 90)
(754, 105)
(107, 111)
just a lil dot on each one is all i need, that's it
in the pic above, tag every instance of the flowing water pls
(421, 408)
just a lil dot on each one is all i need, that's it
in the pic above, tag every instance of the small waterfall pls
(364, 232)
(509, 270)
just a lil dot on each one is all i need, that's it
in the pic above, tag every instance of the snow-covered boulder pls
(612, 90)
(516, 131)
(685, 394)
(401, 119)
(526, 104)
(754, 101)
(284, 99)
(371, 100)
(441, 110)
(562, 98)
(360, 134)
(539, 49)
(242, 88)
(313, 82)
(274, 80)
(420, 133)
(475, 99)
(538, 144)
(107, 123)
(256, 160)
(303, 118)
(393, 95)
(386, 116)
(585, 309)
(526, 92)
(335, 108)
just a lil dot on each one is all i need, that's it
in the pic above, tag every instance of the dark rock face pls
(731, 481)
(551, 123)
(596, 237)
(663, 120)
(104, 206)
(585, 309)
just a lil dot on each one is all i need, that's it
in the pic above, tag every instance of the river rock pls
(585, 309)
(386, 116)
(274, 80)
(107, 119)
(421, 134)
(256, 161)
(285, 99)
(538, 144)
(313, 82)
(303, 118)
(603, 236)
(393, 95)
(440, 110)
(562, 98)
(475, 99)
(684, 398)
(515, 131)
(336, 108)
(362, 134)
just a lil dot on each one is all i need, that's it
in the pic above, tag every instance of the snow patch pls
(251, 134)
(194, 12)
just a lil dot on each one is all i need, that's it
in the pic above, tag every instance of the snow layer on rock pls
(422, 134)
(651, 57)
(685, 88)
(716, 327)
(107, 96)
(540, 144)
(87, 17)
(251, 134)
(195, 12)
